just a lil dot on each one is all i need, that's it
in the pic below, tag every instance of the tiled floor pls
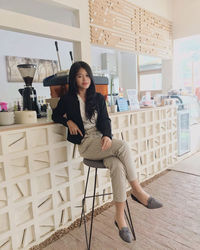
(175, 226)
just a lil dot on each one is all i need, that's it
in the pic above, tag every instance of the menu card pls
(133, 99)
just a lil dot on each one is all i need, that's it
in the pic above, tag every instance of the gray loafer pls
(152, 203)
(124, 233)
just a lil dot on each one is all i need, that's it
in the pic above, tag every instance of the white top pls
(86, 122)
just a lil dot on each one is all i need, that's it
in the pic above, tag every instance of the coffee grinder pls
(28, 93)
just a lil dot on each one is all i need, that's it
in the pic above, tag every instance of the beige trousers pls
(118, 159)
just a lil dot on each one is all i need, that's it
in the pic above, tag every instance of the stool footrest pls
(97, 195)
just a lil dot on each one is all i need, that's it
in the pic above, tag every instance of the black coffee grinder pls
(28, 93)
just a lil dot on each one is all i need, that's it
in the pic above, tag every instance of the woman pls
(84, 112)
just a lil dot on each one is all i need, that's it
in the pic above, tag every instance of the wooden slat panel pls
(123, 25)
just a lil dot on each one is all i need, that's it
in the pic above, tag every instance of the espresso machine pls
(28, 93)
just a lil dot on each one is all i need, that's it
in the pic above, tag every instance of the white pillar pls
(167, 75)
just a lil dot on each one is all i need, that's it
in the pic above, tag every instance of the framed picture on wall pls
(44, 69)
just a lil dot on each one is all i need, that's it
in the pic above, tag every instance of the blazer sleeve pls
(60, 111)
(104, 118)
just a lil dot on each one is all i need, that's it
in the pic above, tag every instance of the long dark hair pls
(90, 104)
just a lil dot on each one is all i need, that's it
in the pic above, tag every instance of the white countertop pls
(40, 122)
(43, 121)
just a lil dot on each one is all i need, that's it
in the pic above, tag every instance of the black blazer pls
(69, 105)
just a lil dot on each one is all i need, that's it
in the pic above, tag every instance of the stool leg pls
(91, 225)
(129, 219)
(83, 200)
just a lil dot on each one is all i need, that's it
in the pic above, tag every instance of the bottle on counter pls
(18, 106)
(10, 107)
(121, 94)
(15, 108)
(49, 112)
(39, 104)
(44, 99)
(44, 105)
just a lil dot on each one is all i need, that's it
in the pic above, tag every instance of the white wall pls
(160, 7)
(22, 45)
(47, 10)
(167, 75)
(186, 18)
(96, 53)
(30, 23)
(128, 71)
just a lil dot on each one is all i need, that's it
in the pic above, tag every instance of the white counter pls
(42, 176)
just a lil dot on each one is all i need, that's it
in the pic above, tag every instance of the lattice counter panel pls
(152, 136)
(42, 177)
(42, 181)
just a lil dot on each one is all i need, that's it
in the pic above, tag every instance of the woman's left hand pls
(106, 143)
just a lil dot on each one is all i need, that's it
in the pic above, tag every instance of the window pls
(187, 64)
(149, 73)
(150, 81)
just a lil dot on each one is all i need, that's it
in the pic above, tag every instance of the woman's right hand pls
(73, 128)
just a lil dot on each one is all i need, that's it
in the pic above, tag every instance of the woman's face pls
(82, 79)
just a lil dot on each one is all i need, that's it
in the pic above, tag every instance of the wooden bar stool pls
(98, 165)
